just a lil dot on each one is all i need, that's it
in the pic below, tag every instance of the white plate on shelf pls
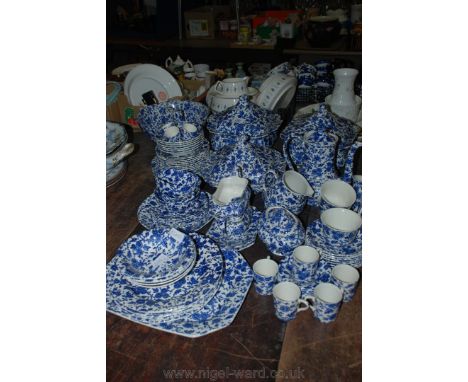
(146, 77)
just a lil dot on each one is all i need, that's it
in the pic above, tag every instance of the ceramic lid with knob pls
(244, 118)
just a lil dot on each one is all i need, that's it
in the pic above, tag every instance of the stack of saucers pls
(204, 299)
(338, 235)
(177, 201)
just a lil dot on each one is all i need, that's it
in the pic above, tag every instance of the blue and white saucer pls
(217, 314)
(188, 216)
(216, 232)
(194, 290)
(322, 275)
(350, 254)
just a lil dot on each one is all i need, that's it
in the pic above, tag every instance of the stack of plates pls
(149, 77)
(207, 299)
(350, 253)
(276, 92)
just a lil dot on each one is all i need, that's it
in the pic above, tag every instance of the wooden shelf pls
(338, 49)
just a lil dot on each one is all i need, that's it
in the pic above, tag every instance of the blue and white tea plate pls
(216, 232)
(192, 291)
(350, 254)
(188, 216)
(217, 314)
(322, 275)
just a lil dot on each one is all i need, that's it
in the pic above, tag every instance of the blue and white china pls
(197, 287)
(290, 190)
(287, 301)
(116, 136)
(253, 162)
(281, 231)
(349, 165)
(158, 255)
(346, 278)
(283, 68)
(323, 66)
(236, 232)
(350, 253)
(340, 226)
(217, 314)
(184, 215)
(357, 185)
(118, 156)
(244, 119)
(152, 118)
(177, 184)
(325, 302)
(343, 101)
(277, 91)
(322, 274)
(304, 261)
(231, 197)
(305, 79)
(265, 271)
(336, 193)
(232, 86)
(306, 68)
(115, 174)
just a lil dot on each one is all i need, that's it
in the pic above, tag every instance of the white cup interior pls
(170, 130)
(338, 193)
(190, 127)
(286, 291)
(358, 178)
(265, 267)
(341, 219)
(306, 254)
(345, 273)
(296, 182)
(328, 292)
(229, 188)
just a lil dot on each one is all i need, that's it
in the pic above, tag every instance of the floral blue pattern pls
(217, 314)
(324, 311)
(281, 231)
(173, 184)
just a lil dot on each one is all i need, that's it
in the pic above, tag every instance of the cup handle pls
(310, 302)
(219, 84)
(302, 308)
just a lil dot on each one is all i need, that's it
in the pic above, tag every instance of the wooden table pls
(256, 346)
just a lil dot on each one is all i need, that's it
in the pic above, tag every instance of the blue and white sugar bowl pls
(281, 231)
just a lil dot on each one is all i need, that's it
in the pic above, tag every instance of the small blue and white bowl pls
(340, 226)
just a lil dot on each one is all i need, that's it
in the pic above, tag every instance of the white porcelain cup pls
(232, 87)
(287, 301)
(170, 130)
(201, 68)
(190, 128)
(336, 193)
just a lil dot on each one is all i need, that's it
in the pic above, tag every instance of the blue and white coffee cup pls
(265, 271)
(304, 261)
(340, 226)
(287, 301)
(346, 278)
(326, 302)
(305, 79)
(335, 193)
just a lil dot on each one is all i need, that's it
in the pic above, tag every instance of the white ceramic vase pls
(343, 101)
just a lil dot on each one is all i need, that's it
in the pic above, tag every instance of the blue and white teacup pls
(340, 226)
(175, 184)
(346, 278)
(190, 131)
(287, 301)
(232, 197)
(265, 271)
(236, 226)
(305, 79)
(336, 193)
(326, 302)
(304, 261)
(289, 191)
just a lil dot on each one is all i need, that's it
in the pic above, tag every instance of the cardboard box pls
(202, 23)
(120, 110)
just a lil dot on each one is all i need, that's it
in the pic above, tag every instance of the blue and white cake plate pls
(188, 216)
(215, 315)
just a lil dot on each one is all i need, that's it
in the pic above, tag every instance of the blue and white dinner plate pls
(189, 216)
(195, 289)
(217, 314)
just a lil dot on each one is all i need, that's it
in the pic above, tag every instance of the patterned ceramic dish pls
(198, 287)
(153, 117)
(158, 255)
(116, 136)
(350, 254)
(276, 92)
(186, 216)
(215, 315)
